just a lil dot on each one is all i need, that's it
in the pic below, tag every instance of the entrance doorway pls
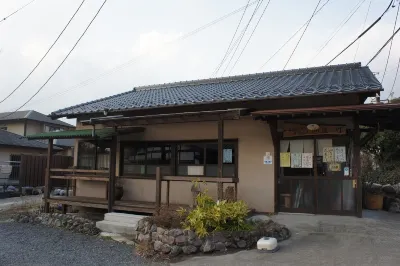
(315, 175)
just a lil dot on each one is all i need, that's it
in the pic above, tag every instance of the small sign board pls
(267, 158)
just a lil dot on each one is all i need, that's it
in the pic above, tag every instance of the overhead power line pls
(59, 66)
(301, 37)
(395, 78)
(391, 43)
(291, 37)
(383, 46)
(133, 60)
(240, 38)
(341, 25)
(363, 27)
(233, 37)
(40, 61)
(363, 33)
(251, 35)
(16, 11)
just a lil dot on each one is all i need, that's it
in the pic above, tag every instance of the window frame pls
(174, 156)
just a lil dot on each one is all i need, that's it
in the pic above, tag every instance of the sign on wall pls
(297, 130)
(267, 158)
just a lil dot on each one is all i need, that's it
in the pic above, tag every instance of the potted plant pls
(119, 189)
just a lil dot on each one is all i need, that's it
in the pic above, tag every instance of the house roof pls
(12, 139)
(31, 115)
(345, 78)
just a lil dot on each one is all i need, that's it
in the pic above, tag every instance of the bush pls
(167, 219)
(209, 216)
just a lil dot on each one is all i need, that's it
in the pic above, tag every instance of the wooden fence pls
(33, 169)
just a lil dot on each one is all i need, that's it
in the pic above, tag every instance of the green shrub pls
(209, 216)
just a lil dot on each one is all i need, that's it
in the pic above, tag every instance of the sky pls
(135, 43)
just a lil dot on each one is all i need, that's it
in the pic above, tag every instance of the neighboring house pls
(31, 122)
(286, 141)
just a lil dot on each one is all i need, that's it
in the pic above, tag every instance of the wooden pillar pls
(167, 196)
(273, 127)
(220, 185)
(357, 165)
(47, 184)
(158, 190)
(112, 169)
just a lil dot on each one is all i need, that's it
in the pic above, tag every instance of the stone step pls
(116, 227)
(123, 217)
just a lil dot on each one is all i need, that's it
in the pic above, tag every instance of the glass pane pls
(159, 154)
(182, 170)
(135, 155)
(191, 154)
(134, 169)
(296, 194)
(165, 169)
(212, 170)
(86, 155)
(229, 170)
(349, 203)
(329, 195)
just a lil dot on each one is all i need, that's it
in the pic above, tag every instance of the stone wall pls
(173, 242)
(67, 221)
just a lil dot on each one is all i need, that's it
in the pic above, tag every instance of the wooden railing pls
(79, 174)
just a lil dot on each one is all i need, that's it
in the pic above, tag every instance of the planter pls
(119, 192)
(373, 201)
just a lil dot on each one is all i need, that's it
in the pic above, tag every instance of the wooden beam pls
(357, 164)
(113, 164)
(220, 185)
(273, 127)
(80, 171)
(158, 190)
(167, 194)
(201, 179)
(47, 183)
(74, 177)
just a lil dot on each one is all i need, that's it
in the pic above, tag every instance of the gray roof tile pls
(32, 115)
(298, 82)
(12, 139)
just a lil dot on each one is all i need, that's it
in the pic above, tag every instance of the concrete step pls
(123, 217)
(116, 227)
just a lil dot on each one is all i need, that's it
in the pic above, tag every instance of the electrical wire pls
(251, 35)
(363, 33)
(341, 25)
(363, 27)
(395, 78)
(380, 50)
(133, 60)
(59, 66)
(391, 43)
(240, 38)
(229, 46)
(16, 11)
(40, 61)
(291, 37)
(301, 37)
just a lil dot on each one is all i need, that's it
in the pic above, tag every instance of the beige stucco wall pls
(256, 185)
(33, 127)
(17, 128)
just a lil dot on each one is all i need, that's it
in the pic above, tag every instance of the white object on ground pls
(120, 223)
(259, 217)
(267, 244)
(118, 238)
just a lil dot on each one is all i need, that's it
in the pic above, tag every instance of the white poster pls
(340, 154)
(307, 160)
(296, 160)
(267, 158)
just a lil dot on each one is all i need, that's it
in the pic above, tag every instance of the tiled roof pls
(344, 78)
(71, 134)
(31, 115)
(12, 139)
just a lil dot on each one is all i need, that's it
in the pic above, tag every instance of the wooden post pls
(357, 165)
(47, 184)
(167, 197)
(112, 169)
(236, 192)
(158, 190)
(273, 127)
(220, 185)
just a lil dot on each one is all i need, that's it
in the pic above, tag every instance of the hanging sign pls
(295, 160)
(267, 158)
(285, 159)
(346, 171)
(334, 167)
(340, 154)
(295, 130)
(328, 155)
(307, 160)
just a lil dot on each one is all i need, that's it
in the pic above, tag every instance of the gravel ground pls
(26, 244)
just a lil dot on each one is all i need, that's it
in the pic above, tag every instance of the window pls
(94, 155)
(178, 158)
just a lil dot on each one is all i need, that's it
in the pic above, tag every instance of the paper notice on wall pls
(295, 160)
(328, 155)
(227, 156)
(340, 154)
(307, 160)
(334, 167)
(285, 159)
(267, 158)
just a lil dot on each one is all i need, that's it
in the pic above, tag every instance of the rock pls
(389, 189)
(195, 242)
(375, 188)
(397, 188)
(258, 218)
(218, 237)
(158, 245)
(220, 246)
(160, 230)
(191, 235)
(175, 251)
(166, 249)
(144, 237)
(181, 240)
(241, 244)
(153, 228)
(189, 249)
(140, 225)
(208, 246)
(57, 223)
(23, 219)
(175, 232)
(154, 236)
(168, 240)
(230, 244)
(394, 207)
